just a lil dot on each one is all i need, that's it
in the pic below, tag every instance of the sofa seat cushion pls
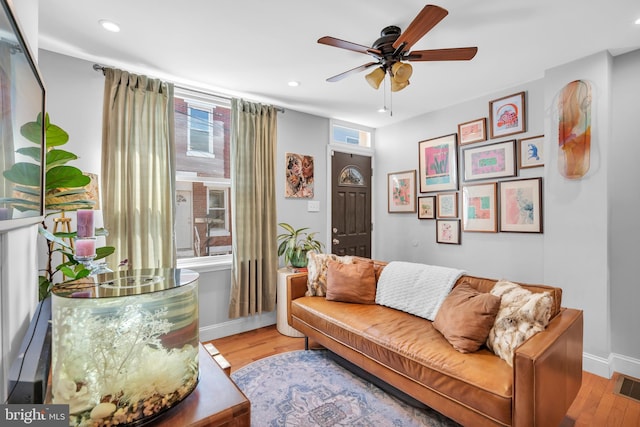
(411, 346)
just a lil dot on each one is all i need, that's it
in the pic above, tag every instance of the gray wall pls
(624, 203)
(75, 94)
(589, 224)
(588, 228)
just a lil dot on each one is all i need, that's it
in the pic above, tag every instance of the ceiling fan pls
(392, 50)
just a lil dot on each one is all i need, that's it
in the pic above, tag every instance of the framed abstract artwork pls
(401, 191)
(448, 231)
(438, 164)
(479, 208)
(299, 176)
(531, 152)
(427, 207)
(473, 131)
(447, 205)
(490, 161)
(507, 115)
(521, 205)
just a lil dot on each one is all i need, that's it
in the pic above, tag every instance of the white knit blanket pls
(415, 288)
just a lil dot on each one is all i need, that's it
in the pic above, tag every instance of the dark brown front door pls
(351, 204)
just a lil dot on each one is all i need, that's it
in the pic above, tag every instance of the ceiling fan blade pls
(453, 54)
(351, 71)
(332, 41)
(428, 17)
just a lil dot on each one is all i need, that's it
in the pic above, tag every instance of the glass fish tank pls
(125, 345)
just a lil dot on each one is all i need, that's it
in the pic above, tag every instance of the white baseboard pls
(236, 326)
(615, 363)
(624, 364)
(596, 365)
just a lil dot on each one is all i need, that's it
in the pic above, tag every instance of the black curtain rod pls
(98, 67)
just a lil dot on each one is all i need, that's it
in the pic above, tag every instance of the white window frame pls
(226, 189)
(190, 151)
(338, 123)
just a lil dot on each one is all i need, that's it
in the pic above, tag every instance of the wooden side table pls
(215, 402)
(281, 307)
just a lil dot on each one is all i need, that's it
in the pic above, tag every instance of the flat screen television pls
(22, 145)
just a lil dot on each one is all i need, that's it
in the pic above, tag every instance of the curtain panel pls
(138, 170)
(255, 260)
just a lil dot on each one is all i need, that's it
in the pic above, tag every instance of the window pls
(218, 211)
(343, 133)
(203, 177)
(201, 127)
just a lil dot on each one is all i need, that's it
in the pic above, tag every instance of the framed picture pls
(531, 154)
(490, 161)
(299, 176)
(479, 208)
(427, 207)
(448, 231)
(473, 131)
(438, 164)
(447, 205)
(521, 205)
(507, 115)
(401, 189)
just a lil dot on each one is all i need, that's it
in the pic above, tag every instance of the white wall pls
(578, 250)
(624, 203)
(576, 247)
(590, 231)
(75, 94)
(403, 237)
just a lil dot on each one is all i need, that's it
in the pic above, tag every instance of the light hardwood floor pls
(595, 406)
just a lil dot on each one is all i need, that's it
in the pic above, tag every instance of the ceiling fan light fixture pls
(375, 77)
(401, 71)
(397, 86)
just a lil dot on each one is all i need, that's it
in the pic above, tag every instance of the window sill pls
(207, 264)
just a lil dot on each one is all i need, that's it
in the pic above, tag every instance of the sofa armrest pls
(548, 372)
(296, 288)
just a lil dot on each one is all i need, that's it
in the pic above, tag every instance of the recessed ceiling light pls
(638, 21)
(294, 83)
(109, 26)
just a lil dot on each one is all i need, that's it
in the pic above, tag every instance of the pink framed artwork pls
(438, 164)
(507, 115)
(521, 205)
(401, 189)
(490, 161)
(473, 131)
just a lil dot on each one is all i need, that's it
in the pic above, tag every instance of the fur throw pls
(317, 272)
(522, 314)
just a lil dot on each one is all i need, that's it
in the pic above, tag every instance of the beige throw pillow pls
(466, 316)
(317, 272)
(522, 314)
(355, 283)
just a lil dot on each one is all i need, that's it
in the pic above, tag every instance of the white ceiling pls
(252, 48)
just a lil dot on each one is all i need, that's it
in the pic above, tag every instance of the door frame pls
(360, 151)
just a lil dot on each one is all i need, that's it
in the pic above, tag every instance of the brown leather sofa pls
(474, 389)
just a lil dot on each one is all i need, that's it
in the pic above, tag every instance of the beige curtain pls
(255, 259)
(138, 170)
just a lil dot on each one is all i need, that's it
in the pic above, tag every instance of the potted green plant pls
(295, 243)
(64, 187)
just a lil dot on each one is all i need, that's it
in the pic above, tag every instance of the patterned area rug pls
(308, 388)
